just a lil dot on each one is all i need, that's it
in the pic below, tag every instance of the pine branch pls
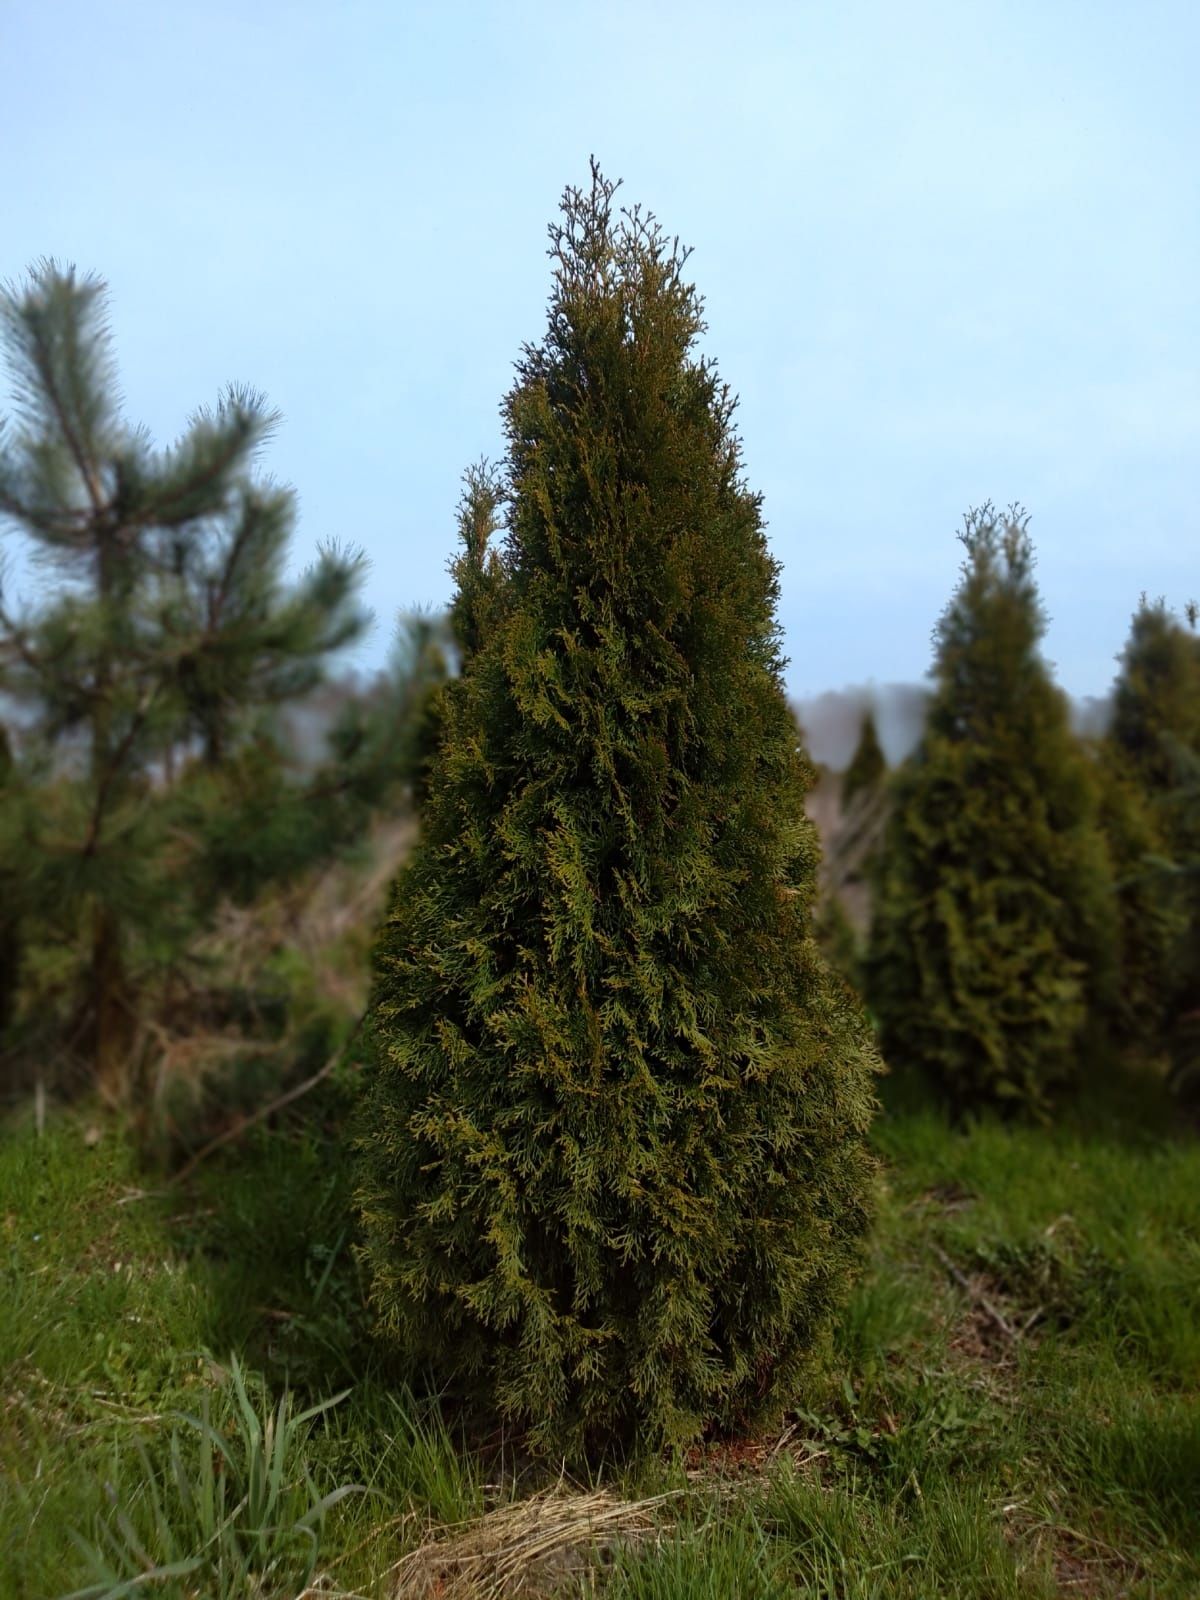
(43, 364)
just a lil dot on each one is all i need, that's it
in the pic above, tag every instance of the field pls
(1013, 1409)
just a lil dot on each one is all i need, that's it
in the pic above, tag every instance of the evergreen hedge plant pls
(614, 1174)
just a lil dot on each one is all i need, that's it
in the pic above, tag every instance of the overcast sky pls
(949, 252)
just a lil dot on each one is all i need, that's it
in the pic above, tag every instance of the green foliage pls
(144, 674)
(994, 924)
(838, 940)
(479, 574)
(614, 1175)
(10, 926)
(1152, 757)
(1149, 919)
(868, 764)
(1156, 698)
(1179, 881)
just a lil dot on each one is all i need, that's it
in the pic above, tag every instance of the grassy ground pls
(1015, 1411)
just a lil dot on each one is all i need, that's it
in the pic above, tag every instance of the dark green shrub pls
(613, 1167)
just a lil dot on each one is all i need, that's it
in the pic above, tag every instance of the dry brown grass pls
(546, 1545)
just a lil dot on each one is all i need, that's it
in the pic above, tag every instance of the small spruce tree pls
(614, 1171)
(993, 922)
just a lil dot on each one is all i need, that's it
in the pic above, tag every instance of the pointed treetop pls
(868, 764)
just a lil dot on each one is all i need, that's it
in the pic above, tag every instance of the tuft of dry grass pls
(530, 1548)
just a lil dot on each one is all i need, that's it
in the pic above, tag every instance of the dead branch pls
(263, 1112)
(975, 1294)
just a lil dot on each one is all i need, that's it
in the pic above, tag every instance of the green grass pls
(1034, 1433)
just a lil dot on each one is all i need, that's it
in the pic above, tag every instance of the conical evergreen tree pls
(614, 1172)
(868, 764)
(1156, 698)
(993, 921)
(848, 854)
(1149, 758)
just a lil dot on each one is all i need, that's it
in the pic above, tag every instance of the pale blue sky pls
(950, 251)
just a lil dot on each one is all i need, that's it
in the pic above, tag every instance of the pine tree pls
(10, 925)
(166, 635)
(993, 924)
(614, 1174)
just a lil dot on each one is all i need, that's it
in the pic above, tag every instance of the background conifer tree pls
(868, 764)
(614, 1173)
(843, 914)
(993, 922)
(1149, 759)
(166, 636)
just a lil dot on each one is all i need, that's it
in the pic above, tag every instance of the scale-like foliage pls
(614, 1174)
(993, 923)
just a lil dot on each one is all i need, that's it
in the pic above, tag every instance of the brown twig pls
(975, 1294)
(263, 1112)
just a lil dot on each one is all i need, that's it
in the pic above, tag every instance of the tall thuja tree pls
(165, 631)
(613, 1164)
(993, 921)
(1148, 760)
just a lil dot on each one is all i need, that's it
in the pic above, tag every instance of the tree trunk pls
(112, 1016)
(112, 1021)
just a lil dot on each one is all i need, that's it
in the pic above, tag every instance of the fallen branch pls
(975, 1294)
(263, 1112)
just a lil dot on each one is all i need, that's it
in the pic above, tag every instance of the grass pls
(1013, 1407)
